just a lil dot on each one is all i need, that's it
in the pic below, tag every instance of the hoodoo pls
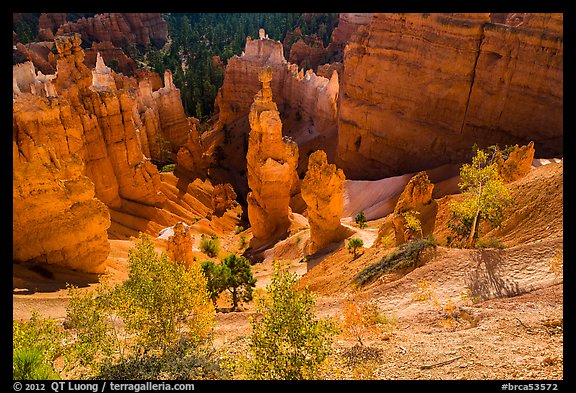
(271, 162)
(323, 192)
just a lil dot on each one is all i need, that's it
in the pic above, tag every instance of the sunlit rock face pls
(223, 198)
(179, 245)
(416, 199)
(77, 153)
(517, 164)
(120, 28)
(418, 90)
(323, 191)
(56, 218)
(271, 162)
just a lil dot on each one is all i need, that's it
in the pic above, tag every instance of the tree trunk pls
(470, 242)
(234, 299)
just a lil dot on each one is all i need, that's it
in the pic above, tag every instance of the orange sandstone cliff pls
(56, 218)
(120, 28)
(307, 106)
(418, 90)
(111, 124)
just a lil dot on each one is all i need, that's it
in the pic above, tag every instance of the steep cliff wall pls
(348, 24)
(306, 104)
(431, 85)
(56, 217)
(120, 28)
(109, 122)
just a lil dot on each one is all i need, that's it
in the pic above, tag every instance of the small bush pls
(405, 255)
(360, 219)
(183, 362)
(425, 292)
(489, 243)
(38, 332)
(35, 344)
(168, 168)
(556, 264)
(359, 355)
(30, 364)
(353, 245)
(387, 241)
(288, 341)
(243, 241)
(238, 229)
(450, 313)
(210, 246)
(412, 224)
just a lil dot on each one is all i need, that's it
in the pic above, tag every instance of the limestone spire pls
(271, 162)
(168, 82)
(102, 78)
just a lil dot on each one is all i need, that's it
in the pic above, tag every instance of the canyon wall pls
(79, 157)
(418, 90)
(56, 217)
(348, 24)
(307, 105)
(120, 28)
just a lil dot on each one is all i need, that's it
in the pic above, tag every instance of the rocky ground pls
(513, 329)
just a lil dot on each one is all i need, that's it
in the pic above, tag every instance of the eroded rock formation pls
(323, 191)
(305, 51)
(307, 105)
(271, 162)
(467, 81)
(165, 131)
(110, 54)
(48, 23)
(93, 120)
(39, 53)
(56, 218)
(326, 70)
(120, 28)
(517, 164)
(223, 198)
(416, 199)
(179, 245)
(79, 130)
(290, 85)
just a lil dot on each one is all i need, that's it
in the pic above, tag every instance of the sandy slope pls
(377, 198)
(507, 335)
